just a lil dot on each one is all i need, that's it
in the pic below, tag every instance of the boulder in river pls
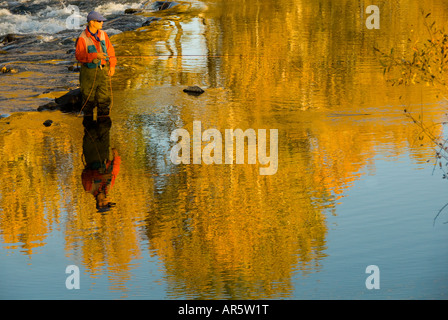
(49, 106)
(48, 123)
(194, 90)
(69, 102)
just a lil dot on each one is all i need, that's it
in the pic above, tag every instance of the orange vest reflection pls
(102, 163)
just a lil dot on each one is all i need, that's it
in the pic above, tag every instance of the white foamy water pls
(111, 8)
(55, 17)
(49, 20)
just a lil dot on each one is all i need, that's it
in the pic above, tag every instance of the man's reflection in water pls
(102, 163)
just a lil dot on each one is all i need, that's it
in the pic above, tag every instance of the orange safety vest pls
(90, 46)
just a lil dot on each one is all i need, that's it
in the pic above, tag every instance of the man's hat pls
(93, 15)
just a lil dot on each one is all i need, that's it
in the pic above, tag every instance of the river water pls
(355, 186)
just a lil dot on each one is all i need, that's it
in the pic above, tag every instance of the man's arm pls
(111, 54)
(81, 52)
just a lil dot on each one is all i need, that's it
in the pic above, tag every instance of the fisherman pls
(97, 57)
(102, 163)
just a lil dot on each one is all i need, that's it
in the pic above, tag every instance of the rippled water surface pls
(355, 185)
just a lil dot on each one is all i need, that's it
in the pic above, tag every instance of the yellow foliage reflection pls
(221, 231)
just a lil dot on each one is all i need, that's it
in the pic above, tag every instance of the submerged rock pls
(48, 123)
(194, 90)
(72, 97)
(164, 5)
(69, 102)
(74, 68)
(48, 106)
(151, 19)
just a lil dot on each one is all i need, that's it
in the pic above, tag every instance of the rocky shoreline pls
(52, 56)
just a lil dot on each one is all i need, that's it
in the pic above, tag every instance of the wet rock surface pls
(35, 63)
(48, 123)
(163, 5)
(194, 90)
(38, 62)
(151, 20)
(69, 102)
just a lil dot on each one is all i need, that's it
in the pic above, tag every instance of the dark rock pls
(132, 11)
(48, 106)
(74, 68)
(71, 51)
(164, 5)
(15, 41)
(151, 19)
(71, 97)
(11, 37)
(194, 90)
(69, 102)
(27, 8)
(123, 23)
(68, 41)
(48, 123)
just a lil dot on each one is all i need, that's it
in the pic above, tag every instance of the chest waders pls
(94, 81)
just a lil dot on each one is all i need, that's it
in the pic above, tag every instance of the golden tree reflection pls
(221, 231)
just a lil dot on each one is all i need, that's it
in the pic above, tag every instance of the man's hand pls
(101, 55)
(111, 71)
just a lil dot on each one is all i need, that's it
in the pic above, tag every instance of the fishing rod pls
(186, 55)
